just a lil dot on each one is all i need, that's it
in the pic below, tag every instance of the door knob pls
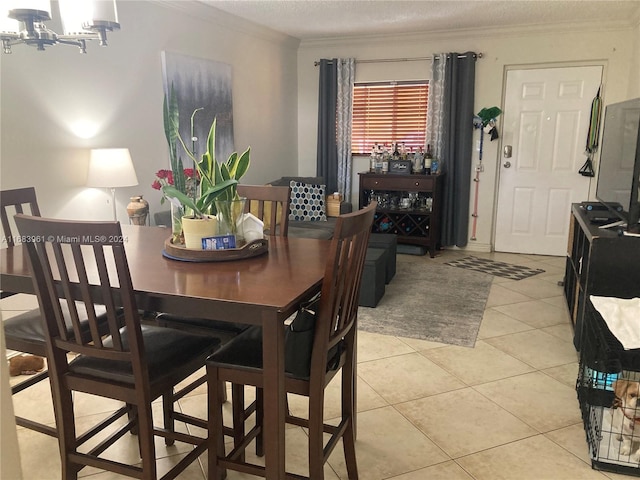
(507, 151)
(507, 164)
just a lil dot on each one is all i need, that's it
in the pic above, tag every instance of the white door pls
(546, 119)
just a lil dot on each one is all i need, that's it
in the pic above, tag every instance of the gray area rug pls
(430, 302)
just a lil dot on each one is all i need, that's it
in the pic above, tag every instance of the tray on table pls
(184, 254)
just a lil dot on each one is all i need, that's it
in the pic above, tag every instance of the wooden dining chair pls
(270, 204)
(85, 262)
(24, 333)
(333, 350)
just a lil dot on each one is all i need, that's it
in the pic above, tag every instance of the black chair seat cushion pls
(28, 326)
(245, 351)
(168, 353)
(171, 320)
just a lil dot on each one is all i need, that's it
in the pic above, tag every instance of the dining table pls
(262, 290)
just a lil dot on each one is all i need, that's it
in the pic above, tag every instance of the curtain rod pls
(388, 60)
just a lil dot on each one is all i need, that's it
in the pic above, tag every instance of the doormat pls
(498, 269)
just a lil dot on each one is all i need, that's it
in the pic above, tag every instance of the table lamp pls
(111, 168)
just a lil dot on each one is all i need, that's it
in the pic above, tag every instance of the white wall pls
(611, 47)
(119, 89)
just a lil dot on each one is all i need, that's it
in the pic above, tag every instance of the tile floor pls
(505, 409)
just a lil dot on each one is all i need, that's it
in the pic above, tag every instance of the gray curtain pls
(327, 157)
(344, 121)
(457, 146)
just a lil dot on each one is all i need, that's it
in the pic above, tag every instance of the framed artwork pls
(206, 84)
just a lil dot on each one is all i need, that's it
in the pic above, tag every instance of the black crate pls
(603, 360)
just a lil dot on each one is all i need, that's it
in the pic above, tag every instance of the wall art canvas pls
(201, 83)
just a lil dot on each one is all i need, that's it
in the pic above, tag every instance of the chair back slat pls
(70, 266)
(12, 202)
(341, 286)
(270, 204)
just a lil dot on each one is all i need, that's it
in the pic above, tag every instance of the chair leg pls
(66, 434)
(349, 411)
(167, 414)
(239, 417)
(316, 441)
(260, 421)
(215, 445)
(146, 442)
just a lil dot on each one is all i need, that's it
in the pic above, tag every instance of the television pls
(619, 169)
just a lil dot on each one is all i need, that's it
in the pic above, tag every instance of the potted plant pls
(215, 190)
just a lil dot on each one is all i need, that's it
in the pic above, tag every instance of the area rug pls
(430, 302)
(499, 269)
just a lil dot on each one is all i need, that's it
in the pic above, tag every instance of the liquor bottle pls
(373, 160)
(428, 159)
(396, 152)
(418, 161)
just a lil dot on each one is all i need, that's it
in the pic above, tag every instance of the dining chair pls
(270, 204)
(85, 262)
(333, 350)
(24, 333)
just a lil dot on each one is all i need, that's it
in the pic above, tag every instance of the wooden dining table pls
(263, 290)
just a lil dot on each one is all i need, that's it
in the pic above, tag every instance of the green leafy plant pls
(216, 180)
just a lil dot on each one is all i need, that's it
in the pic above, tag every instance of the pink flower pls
(188, 172)
(156, 185)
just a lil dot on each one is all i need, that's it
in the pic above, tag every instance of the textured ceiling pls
(308, 19)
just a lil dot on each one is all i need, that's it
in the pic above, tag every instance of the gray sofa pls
(307, 229)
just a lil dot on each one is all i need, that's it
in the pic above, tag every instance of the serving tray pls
(184, 254)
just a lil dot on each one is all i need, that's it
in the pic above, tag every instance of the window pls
(389, 112)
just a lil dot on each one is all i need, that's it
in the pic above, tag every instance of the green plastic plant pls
(217, 180)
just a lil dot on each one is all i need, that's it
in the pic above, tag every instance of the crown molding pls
(469, 34)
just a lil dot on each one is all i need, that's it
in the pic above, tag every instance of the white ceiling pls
(309, 19)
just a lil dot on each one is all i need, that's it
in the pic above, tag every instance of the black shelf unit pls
(600, 262)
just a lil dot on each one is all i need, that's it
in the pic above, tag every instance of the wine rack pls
(408, 206)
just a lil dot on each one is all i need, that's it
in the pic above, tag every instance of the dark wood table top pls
(291, 271)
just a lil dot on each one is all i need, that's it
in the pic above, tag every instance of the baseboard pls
(473, 246)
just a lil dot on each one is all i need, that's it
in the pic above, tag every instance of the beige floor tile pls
(464, 422)
(501, 295)
(20, 301)
(573, 439)
(558, 301)
(442, 471)
(536, 348)
(372, 346)
(368, 399)
(535, 288)
(566, 374)
(564, 331)
(496, 324)
(420, 345)
(35, 403)
(481, 364)
(537, 399)
(536, 313)
(388, 445)
(535, 458)
(406, 377)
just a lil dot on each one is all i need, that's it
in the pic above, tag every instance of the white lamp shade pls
(111, 167)
(76, 14)
(8, 25)
(40, 5)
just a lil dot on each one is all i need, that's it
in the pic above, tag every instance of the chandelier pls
(22, 21)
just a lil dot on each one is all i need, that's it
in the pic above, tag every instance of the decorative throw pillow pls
(307, 202)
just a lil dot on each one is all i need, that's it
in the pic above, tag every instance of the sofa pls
(307, 228)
